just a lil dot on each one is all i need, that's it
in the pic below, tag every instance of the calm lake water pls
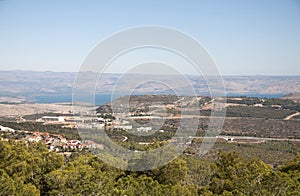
(105, 98)
(100, 98)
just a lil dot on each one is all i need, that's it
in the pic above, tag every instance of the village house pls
(36, 138)
(90, 144)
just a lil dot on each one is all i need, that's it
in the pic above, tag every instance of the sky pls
(257, 37)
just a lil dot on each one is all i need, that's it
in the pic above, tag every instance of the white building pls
(7, 129)
(53, 118)
(101, 120)
(35, 138)
(126, 127)
(144, 129)
(74, 119)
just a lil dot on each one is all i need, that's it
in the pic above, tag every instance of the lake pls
(100, 98)
(106, 98)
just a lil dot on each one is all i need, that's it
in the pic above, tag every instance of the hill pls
(31, 84)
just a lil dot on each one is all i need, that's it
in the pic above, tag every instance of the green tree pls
(172, 173)
(236, 174)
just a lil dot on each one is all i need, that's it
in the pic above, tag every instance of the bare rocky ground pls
(29, 83)
(293, 96)
(22, 109)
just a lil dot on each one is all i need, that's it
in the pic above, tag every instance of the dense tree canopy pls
(34, 170)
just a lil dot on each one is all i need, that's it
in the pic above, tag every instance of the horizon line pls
(116, 73)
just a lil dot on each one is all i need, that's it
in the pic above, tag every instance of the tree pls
(172, 173)
(235, 174)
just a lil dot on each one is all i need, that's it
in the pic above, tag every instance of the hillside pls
(31, 84)
(293, 96)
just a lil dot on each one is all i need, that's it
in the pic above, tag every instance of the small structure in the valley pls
(53, 118)
(125, 127)
(144, 129)
(7, 129)
(74, 119)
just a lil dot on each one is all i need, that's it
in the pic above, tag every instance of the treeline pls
(261, 127)
(34, 170)
(284, 103)
(255, 112)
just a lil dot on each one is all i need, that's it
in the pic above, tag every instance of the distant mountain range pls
(28, 84)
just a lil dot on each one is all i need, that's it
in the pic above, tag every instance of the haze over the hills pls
(28, 84)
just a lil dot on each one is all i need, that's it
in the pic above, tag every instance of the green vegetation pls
(274, 153)
(296, 117)
(263, 101)
(254, 112)
(244, 100)
(285, 103)
(234, 175)
(262, 127)
(33, 170)
(257, 112)
(250, 101)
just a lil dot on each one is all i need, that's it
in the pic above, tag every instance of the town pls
(55, 142)
(156, 118)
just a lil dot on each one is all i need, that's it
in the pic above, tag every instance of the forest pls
(34, 170)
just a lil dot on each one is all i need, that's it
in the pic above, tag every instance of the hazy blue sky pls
(243, 37)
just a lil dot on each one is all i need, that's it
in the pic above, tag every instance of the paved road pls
(291, 116)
